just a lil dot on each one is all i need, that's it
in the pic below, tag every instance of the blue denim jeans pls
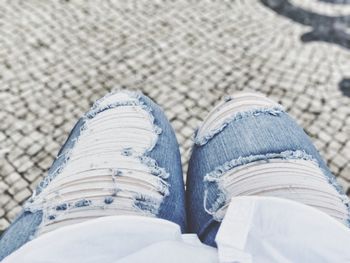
(248, 145)
(140, 161)
(122, 157)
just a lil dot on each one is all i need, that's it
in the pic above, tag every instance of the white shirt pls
(255, 229)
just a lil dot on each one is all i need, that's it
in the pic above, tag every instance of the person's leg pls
(249, 145)
(121, 158)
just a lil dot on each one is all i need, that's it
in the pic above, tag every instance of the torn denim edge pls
(213, 179)
(146, 205)
(140, 201)
(274, 111)
(155, 169)
(91, 114)
(96, 108)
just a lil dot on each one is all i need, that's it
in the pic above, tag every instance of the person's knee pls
(233, 107)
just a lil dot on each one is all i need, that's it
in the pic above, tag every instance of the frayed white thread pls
(220, 170)
(96, 108)
(140, 201)
(219, 202)
(213, 180)
(274, 111)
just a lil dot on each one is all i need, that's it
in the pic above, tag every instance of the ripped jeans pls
(122, 158)
(248, 145)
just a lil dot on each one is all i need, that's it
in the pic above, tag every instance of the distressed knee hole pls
(107, 172)
(293, 175)
(234, 108)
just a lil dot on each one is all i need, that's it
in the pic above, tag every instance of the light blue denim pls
(246, 137)
(165, 153)
(249, 136)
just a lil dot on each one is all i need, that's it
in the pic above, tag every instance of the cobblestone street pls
(57, 57)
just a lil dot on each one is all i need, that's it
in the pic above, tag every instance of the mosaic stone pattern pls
(57, 57)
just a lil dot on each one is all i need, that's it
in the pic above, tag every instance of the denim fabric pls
(251, 134)
(165, 153)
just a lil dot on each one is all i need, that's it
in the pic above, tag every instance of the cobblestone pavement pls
(57, 57)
